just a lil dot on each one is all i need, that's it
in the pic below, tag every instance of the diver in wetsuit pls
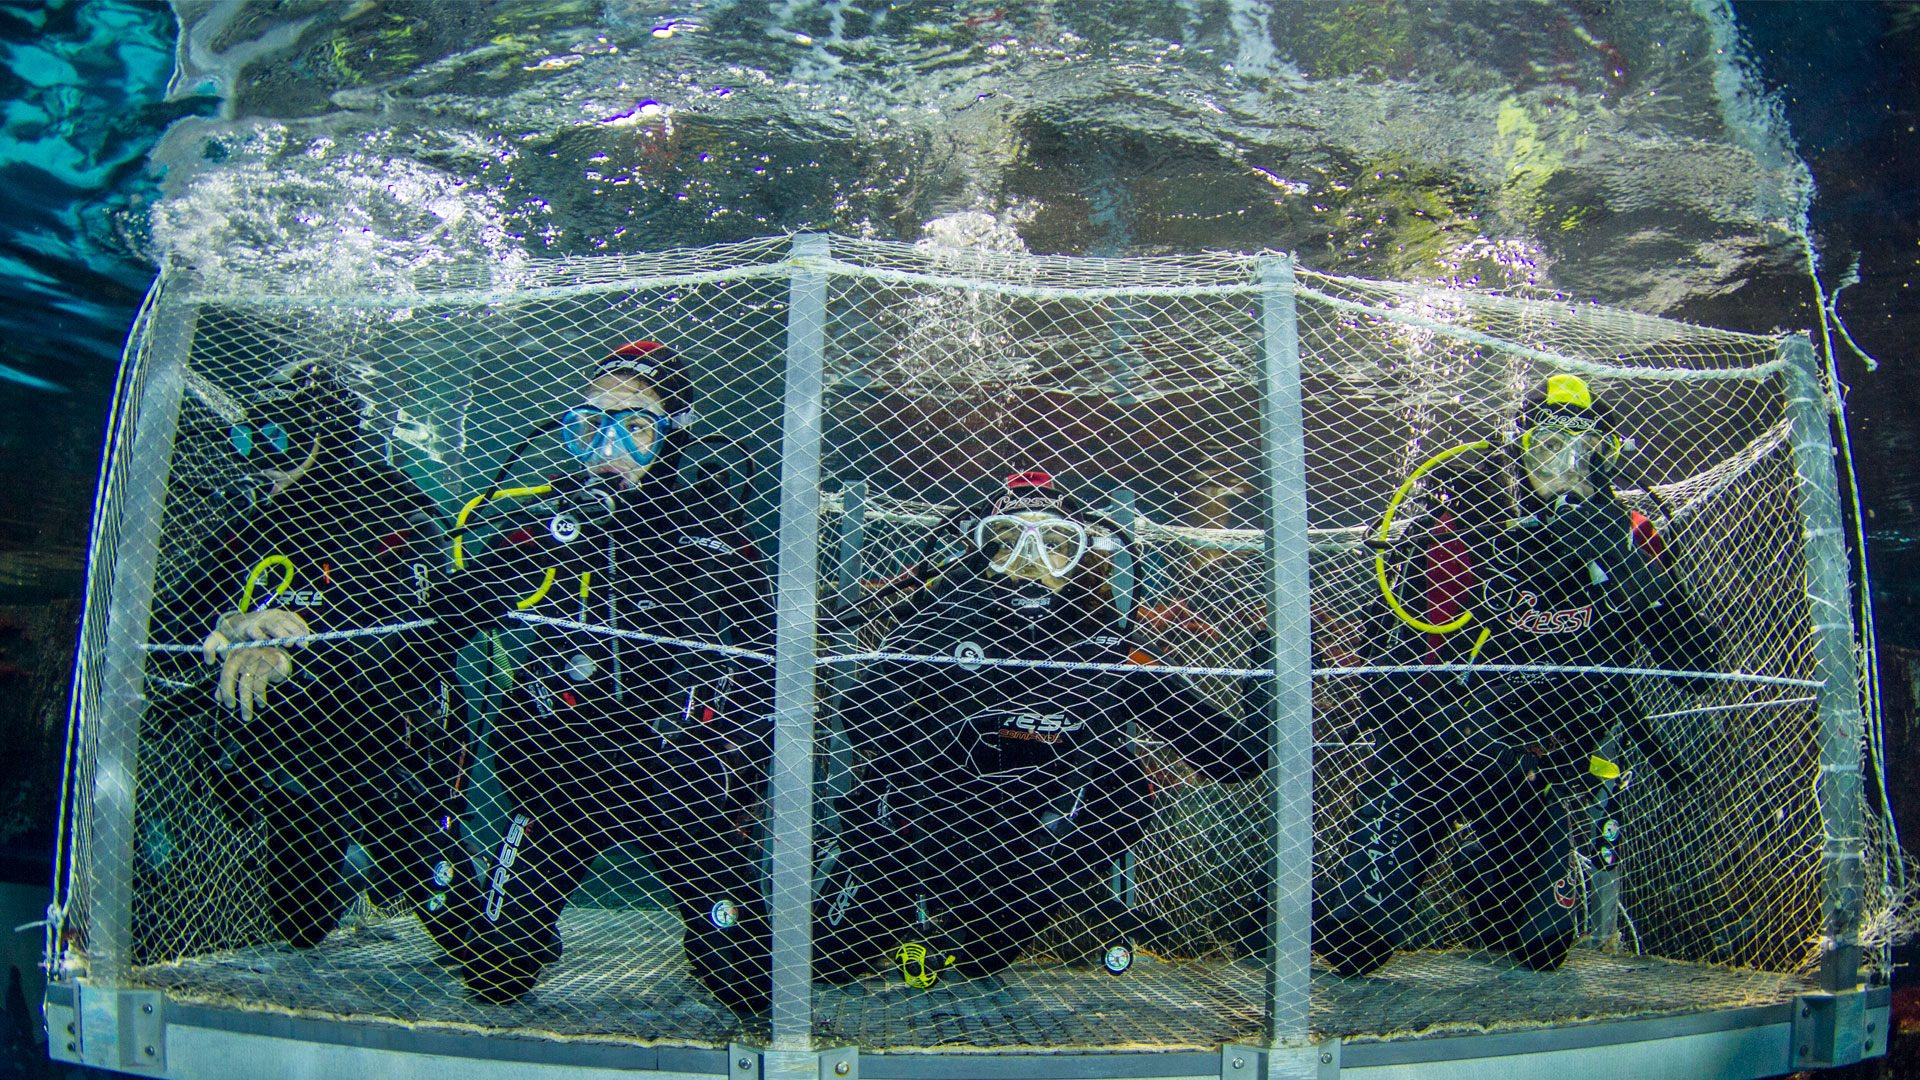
(344, 744)
(996, 790)
(625, 726)
(1574, 581)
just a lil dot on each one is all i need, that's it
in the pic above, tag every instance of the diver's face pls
(1559, 462)
(1033, 546)
(622, 393)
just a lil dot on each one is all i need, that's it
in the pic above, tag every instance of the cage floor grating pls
(623, 979)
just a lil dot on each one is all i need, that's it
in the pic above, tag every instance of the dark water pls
(1667, 157)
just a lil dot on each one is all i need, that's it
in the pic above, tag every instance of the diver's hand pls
(255, 626)
(245, 676)
(1599, 535)
(1595, 531)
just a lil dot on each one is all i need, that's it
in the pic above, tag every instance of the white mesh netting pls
(486, 735)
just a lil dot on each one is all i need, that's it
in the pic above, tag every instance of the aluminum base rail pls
(114, 1029)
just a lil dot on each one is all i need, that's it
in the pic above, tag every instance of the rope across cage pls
(959, 650)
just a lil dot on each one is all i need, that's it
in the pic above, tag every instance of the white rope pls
(303, 639)
(1763, 680)
(1050, 665)
(1591, 367)
(638, 635)
(1777, 703)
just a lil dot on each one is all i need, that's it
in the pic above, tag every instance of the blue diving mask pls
(596, 436)
(271, 435)
(268, 445)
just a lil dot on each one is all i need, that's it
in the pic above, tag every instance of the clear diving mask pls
(1011, 541)
(1561, 457)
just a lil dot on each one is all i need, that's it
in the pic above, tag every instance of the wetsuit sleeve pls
(885, 720)
(1678, 635)
(368, 559)
(1209, 739)
(747, 595)
(479, 596)
(1439, 582)
(185, 616)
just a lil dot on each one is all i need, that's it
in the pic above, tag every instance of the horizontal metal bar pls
(396, 1039)
(372, 298)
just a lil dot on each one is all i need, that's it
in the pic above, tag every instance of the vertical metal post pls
(1830, 611)
(116, 729)
(1291, 741)
(790, 781)
(1127, 513)
(853, 535)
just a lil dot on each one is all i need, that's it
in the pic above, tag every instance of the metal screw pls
(1869, 1029)
(1805, 1012)
(1326, 1059)
(745, 1064)
(69, 1029)
(149, 1051)
(841, 1068)
(148, 1009)
(71, 1049)
(1238, 1064)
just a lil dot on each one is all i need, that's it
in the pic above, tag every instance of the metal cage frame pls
(103, 1018)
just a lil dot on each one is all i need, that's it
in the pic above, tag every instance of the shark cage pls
(819, 656)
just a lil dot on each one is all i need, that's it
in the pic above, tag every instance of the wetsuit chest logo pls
(1528, 617)
(304, 599)
(1037, 727)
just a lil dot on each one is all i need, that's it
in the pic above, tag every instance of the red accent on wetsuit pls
(1449, 577)
(1649, 541)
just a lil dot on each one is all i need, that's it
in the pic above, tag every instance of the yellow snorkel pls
(460, 522)
(1380, 555)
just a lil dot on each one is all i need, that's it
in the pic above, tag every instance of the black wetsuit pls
(365, 744)
(605, 740)
(993, 794)
(1572, 586)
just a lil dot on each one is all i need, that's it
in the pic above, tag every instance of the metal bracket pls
(752, 1063)
(122, 1030)
(1835, 1029)
(1321, 1062)
(63, 1030)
